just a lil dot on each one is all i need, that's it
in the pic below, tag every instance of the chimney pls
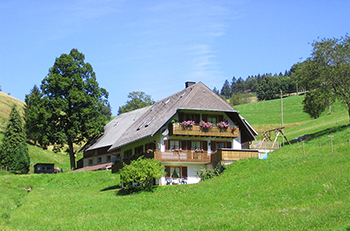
(189, 83)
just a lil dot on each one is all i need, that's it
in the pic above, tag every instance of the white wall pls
(192, 177)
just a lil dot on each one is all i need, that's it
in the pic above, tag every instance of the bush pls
(141, 171)
(206, 174)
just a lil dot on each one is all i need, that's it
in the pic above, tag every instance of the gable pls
(146, 122)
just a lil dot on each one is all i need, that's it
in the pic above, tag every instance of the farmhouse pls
(191, 129)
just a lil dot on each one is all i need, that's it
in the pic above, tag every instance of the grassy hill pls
(36, 154)
(6, 103)
(266, 115)
(299, 187)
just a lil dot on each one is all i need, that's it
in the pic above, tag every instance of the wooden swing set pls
(278, 131)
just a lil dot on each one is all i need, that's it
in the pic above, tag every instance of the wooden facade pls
(184, 156)
(196, 130)
(233, 154)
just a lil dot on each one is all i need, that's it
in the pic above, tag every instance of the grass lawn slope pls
(6, 103)
(266, 115)
(288, 191)
(303, 186)
(37, 155)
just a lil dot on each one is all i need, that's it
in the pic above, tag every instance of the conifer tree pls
(36, 117)
(14, 153)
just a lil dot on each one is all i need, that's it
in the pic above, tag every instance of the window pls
(139, 149)
(212, 119)
(196, 145)
(90, 162)
(151, 146)
(220, 145)
(127, 153)
(99, 160)
(108, 159)
(188, 117)
(175, 172)
(174, 144)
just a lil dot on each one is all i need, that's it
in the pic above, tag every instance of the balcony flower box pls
(205, 126)
(187, 124)
(222, 125)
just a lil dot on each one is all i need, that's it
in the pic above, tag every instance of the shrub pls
(141, 171)
(206, 174)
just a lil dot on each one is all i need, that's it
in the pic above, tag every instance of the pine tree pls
(14, 152)
(34, 111)
(226, 90)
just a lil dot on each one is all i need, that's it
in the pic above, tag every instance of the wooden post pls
(282, 115)
(331, 143)
(304, 148)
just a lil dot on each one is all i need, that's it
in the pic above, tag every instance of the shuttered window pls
(184, 171)
(213, 145)
(205, 145)
(186, 144)
(167, 169)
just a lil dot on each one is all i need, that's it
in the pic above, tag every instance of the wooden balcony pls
(184, 156)
(196, 130)
(227, 154)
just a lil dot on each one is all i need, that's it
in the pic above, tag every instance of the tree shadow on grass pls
(135, 190)
(328, 131)
(312, 136)
(125, 192)
(111, 188)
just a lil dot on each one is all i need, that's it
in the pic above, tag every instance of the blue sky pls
(156, 46)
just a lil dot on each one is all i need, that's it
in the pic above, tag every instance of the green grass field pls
(299, 187)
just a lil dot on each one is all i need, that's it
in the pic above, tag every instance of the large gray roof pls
(147, 121)
(115, 129)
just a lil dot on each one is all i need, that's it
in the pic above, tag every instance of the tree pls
(233, 85)
(107, 111)
(251, 83)
(141, 171)
(314, 103)
(137, 99)
(35, 111)
(328, 69)
(74, 102)
(226, 90)
(14, 151)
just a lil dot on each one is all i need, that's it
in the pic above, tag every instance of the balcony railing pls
(227, 154)
(224, 154)
(184, 156)
(196, 130)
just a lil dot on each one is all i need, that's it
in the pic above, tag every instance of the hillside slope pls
(36, 154)
(6, 103)
(303, 186)
(266, 115)
(288, 191)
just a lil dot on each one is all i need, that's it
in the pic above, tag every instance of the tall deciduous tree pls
(137, 99)
(328, 69)
(14, 152)
(74, 102)
(314, 103)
